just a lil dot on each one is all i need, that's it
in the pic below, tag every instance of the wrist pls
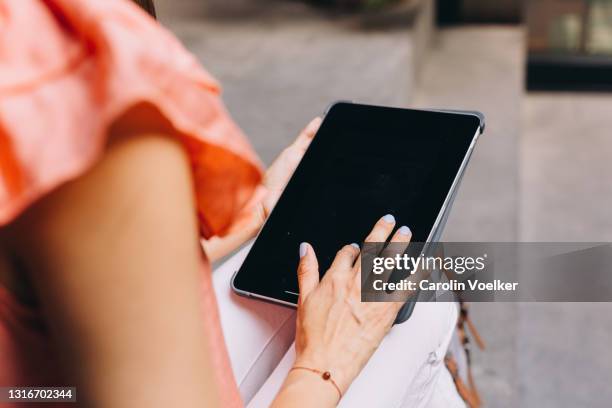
(311, 386)
(318, 364)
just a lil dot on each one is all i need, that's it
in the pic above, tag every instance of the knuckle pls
(376, 236)
(380, 232)
(337, 278)
(303, 270)
(338, 281)
(346, 250)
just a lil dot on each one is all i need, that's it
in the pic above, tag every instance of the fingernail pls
(404, 230)
(303, 249)
(354, 245)
(389, 218)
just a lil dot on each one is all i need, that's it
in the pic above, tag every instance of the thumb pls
(307, 134)
(308, 270)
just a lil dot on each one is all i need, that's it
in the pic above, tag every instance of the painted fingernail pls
(354, 245)
(404, 230)
(303, 249)
(389, 218)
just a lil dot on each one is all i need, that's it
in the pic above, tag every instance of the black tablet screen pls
(364, 162)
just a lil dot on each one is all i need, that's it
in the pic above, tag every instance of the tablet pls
(364, 162)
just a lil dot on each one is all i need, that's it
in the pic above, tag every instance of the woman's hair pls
(147, 5)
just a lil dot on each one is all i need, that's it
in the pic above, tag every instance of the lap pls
(406, 370)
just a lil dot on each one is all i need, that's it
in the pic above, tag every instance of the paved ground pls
(566, 195)
(541, 171)
(287, 63)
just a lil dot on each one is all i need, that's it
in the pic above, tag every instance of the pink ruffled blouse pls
(68, 70)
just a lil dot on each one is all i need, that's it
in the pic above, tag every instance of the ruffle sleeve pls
(83, 64)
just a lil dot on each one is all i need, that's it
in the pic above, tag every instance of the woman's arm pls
(115, 260)
(276, 178)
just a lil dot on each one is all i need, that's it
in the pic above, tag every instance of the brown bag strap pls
(464, 318)
(468, 392)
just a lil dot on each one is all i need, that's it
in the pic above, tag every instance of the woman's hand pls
(336, 332)
(274, 183)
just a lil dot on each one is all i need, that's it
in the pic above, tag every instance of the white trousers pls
(407, 370)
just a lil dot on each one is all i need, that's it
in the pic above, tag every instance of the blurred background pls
(540, 71)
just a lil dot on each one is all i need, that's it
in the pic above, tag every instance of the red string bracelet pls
(325, 375)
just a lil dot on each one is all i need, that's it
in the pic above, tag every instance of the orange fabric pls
(69, 69)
